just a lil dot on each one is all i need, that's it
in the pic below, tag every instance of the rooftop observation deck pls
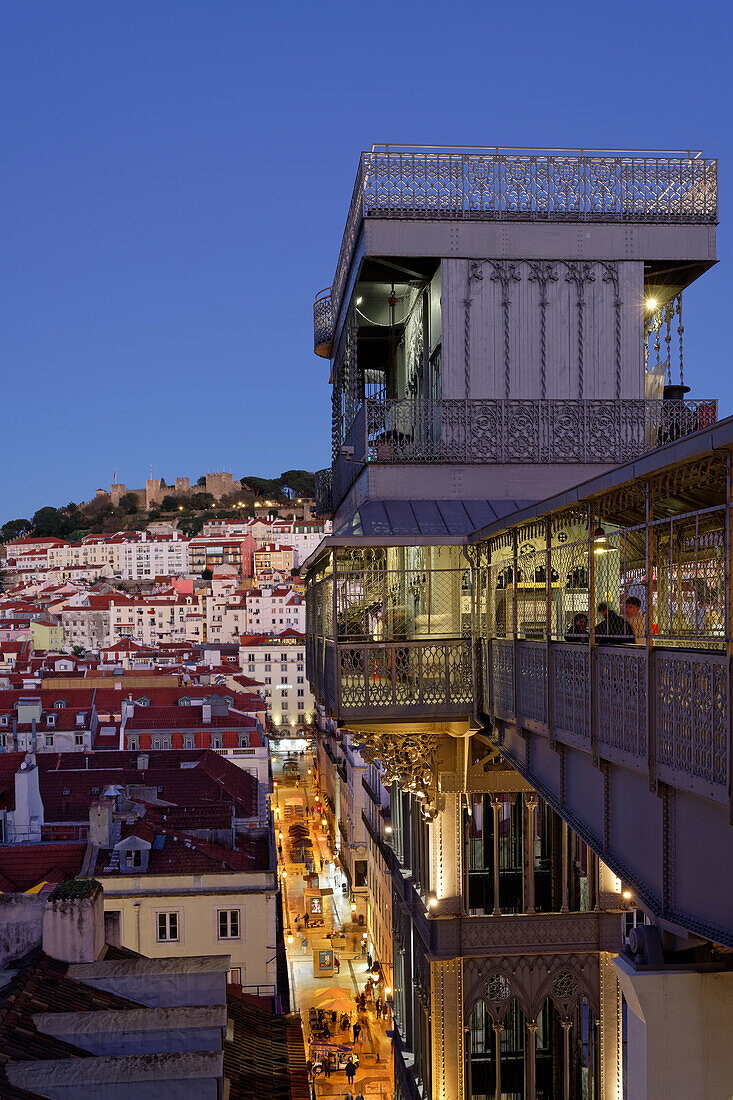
(519, 185)
(628, 737)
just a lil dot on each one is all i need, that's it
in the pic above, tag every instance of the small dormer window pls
(143, 702)
(133, 858)
(50, 719)
(60, 704)
(3, 719)
(66, 792)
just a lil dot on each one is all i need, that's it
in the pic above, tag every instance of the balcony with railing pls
(387, 633)
(323, 323)
(495, 184)
(468, 432)
(603, 641)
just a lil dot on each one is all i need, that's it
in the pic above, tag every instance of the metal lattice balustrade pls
(323, 323)
(527, 185)
(532, 430)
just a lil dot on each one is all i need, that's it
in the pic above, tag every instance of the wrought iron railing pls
(421, 678)
(323, 323)
(324, 493)
(527, 185)
(484, 430)
(604, 705)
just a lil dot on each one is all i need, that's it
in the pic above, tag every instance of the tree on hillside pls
(302, 482)
(49, 523)
(129, 503)
(202, 500)
(170, 503)
(13, 528)
(201, 480)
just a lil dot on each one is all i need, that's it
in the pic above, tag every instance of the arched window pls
(60, 704)
(482, 1054)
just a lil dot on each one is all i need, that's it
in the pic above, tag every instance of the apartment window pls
(51, 719)
(244, 740)
(215, 741)
(133, 743)
(301, 691)
(268, 679)
(228, 924)
(283, 679)
(133, 858)
(301, 706)
(284, 706)
(268, 668)
(167, 927)
(251, 668)
(300, 668)
(49, 740)
(188, 743)
(301, 680)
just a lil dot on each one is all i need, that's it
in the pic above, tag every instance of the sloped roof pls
(425, 518)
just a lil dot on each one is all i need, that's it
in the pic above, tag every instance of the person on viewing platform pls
(636, 619)
(611, 629)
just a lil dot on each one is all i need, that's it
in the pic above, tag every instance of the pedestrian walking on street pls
(309, 1068)
(327, 1066)
(369, 961)
(350, 1072)
(379, 1010)
(337, 964)
(357, 1032)
(306, 918)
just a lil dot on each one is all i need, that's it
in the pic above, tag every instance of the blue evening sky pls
(175, 177)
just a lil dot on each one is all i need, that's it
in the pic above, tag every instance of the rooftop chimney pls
(143, 762)
(73, 921)
(206, 714)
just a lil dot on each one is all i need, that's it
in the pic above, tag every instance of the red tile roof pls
(23, 866)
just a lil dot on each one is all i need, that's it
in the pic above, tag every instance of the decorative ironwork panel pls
(692, 734)
(570, 689)
(353, 674)
(511, 186)
(324, 492)
(533, 430)
(533, 681)
(503, 672)
(622, 700)
(323, 322)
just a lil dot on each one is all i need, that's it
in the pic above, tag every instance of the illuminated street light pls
(432, 901)
(651, 304)
(290, 937)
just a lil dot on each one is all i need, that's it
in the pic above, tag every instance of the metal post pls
(530, 801)
(550, 660)
(564, 842)
(531, 1057)
(592, 716)
(496, 805)
(498, 1028)
(515, 622)
(651, 729)
(566, 1025)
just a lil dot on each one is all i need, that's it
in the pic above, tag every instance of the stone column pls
(496, 806)
(679, 1032)
(531, 1059)
(530, 801)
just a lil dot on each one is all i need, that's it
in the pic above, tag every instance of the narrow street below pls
(374, 1075)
